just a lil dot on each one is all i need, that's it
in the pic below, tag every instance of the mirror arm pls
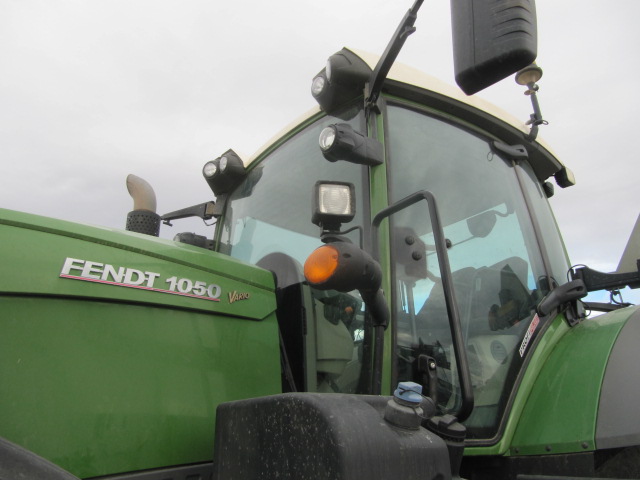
(205, 211)
(513, 152)
(562, 295)
(604, 307)
(379, 74)
(595, 280)
(535, 119)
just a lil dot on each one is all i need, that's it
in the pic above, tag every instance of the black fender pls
(17, 463)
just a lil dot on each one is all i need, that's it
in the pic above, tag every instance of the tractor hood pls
(54, 257)
(119, 345)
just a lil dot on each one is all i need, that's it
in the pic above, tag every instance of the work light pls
(340, 82)
(341, 142)
(224, 173)
(231, 164)
(565, 178)
(333, 204)
(209, 169)
(327, 137)
(318, 84)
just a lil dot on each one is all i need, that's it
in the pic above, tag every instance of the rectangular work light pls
(333, 204)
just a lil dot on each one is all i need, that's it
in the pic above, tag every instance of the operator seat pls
(433, 317)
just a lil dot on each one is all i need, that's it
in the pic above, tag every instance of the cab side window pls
(268, 222)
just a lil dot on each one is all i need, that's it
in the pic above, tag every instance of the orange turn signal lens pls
(321, 264)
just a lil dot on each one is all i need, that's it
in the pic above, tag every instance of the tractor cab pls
(408, 229)
(400, 184)
(503, 247)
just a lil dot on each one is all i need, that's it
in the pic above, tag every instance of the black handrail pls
(466, 405)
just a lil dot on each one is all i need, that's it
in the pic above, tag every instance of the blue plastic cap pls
(409, 392)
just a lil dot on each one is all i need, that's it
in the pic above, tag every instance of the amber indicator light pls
(321, 264)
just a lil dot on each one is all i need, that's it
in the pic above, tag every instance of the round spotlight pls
(209, 169)
(327, 138)
(223, 164)
(317, 86)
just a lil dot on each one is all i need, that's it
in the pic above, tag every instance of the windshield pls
(268, 222)
(495, 259)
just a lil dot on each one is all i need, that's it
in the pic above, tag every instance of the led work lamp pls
(224, 173)
(341, 82)
(333, 204)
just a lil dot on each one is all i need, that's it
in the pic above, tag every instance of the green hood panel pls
(108, 367)
(43, 256)
(561, 411)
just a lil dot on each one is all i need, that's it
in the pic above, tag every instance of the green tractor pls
(385, 294)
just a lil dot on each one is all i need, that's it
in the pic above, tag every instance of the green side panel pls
(103, 377)
(541, 349)
(561, 411)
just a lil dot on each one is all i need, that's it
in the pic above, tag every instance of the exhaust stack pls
(143, 218)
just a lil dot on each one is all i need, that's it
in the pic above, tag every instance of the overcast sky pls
(93, 90)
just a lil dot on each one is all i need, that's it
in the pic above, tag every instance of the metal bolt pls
(410, 239)
(416, 255)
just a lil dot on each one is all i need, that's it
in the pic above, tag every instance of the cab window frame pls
(538, 248)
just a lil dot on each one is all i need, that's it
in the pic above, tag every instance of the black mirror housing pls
(492, 39)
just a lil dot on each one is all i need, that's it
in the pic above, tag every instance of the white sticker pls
(527, 337)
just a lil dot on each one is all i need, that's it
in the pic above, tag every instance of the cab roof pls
(411, 84)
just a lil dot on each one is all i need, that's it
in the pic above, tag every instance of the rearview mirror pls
(492, 39)
(481, 225)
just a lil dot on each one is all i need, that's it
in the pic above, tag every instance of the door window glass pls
(498, 275)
